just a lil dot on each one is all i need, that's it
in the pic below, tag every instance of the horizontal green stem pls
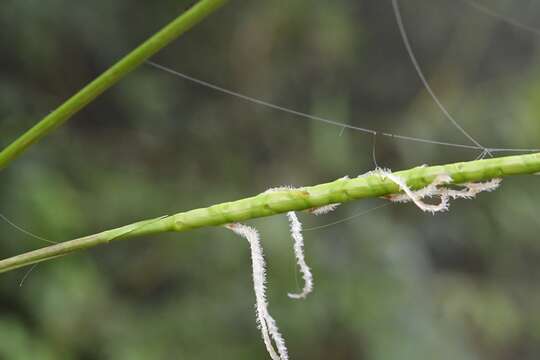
(110, 77)
(271, 203)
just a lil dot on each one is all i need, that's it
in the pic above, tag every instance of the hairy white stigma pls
(296, 233)
(266, 323)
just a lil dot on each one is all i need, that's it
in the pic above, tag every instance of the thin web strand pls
(423, 78)
(329, 121)
(360, 213)
(496, 15)
(27, 274)
(3, 217)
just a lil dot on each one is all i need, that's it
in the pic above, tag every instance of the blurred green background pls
(392, 284)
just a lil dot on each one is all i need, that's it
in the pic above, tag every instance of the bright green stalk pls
(271, 203)
(110, 77)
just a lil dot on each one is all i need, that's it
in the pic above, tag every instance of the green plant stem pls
(267, 204)
(110, 77)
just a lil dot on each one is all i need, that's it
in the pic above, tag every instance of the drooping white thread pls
(296, 234)
(298, 245)
(266, 323)
(298, 238)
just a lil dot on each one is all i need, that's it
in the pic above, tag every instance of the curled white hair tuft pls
(468, 191)
(417, 196)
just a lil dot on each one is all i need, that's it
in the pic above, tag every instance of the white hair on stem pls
(468, 191)
(323, 210)
(417, 197)
(428, 191)
(281, 188)
(296, 233)
(266, 323)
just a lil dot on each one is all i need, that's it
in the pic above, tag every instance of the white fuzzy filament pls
(416, 196)
(265, 322)
(296, 233)
(468, 191)
(323, 210)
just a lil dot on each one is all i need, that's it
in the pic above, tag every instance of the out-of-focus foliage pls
(392, 284)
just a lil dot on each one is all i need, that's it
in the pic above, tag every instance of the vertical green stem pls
(110, 77)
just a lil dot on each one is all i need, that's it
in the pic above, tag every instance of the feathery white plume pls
(266, 323)
(296, 233)
(323, 210)
(470, 190)
(425, 192)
